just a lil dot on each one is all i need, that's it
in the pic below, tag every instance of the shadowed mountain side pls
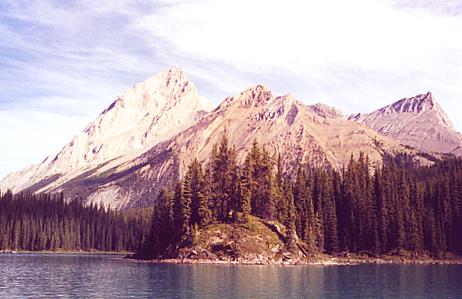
(418, 121)
(283, 124)
(151, 112)
(165, 128)
(132, 184)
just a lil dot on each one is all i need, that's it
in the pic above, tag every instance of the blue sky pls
(63, 62)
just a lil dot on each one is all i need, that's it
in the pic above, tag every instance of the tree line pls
(395, 208)
(46, 222)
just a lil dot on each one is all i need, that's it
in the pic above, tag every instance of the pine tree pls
(223, 178)
(289, 218)
(330, 212)
(245, 193)
(280, 201)
(300, 200)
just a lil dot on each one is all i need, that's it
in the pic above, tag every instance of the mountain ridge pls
(419, 121)
(146, 114)
(282, 124)
(169, 124)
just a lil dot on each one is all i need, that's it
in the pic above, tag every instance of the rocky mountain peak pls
(162, 90)
(255, 96)
(418, 121)
(420, 104)
(417, 104)
(326, 111)
(148, 113)
(174, 78)
(168, 86)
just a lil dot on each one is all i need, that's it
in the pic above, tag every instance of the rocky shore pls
(260, 242)
(326, 261)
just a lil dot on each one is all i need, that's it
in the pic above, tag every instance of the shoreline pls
(82, 252)
(321, 261)
(332, 261)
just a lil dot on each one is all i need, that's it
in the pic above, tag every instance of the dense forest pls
(46, 222)
(395, 208)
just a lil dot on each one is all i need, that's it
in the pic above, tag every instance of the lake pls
(111, 276)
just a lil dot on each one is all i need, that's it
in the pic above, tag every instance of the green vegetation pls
(249, 242)
(397, 208)
(47, 223)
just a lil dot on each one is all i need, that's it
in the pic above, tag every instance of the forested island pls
(227, 211)
(258, 213)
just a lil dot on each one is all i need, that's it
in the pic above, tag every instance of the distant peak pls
(423, 107)
(172, 80)
(170, 86)
(255, 96)
(326, 111)
(173, 75)
(256, 89)
(417, 104)
(174, 71)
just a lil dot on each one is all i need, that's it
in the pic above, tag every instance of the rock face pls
(303, 134)
(254, 242)
(150, 112)
(419, 122)
(148, 136)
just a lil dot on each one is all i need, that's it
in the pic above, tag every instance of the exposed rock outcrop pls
(148, 136)
(253, 242)
(282, 123)
(141, 117)
(418, 121)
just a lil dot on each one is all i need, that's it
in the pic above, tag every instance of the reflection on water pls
(92, 276)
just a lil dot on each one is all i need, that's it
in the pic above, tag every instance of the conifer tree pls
(200, 213)
(289, 218)
(245, 193)
(280, 201)
(224, 184)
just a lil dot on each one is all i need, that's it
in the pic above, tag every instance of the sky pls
(63, 62)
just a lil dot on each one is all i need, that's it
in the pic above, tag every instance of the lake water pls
(105, 276)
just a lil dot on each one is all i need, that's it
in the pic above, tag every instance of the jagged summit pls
(173, 79)
(255, 96)
(326, 111)
(418, 121)
(152, 131)
(166, 88)
(418, 104)
(142, 116)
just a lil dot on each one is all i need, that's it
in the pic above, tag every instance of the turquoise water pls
(105, 276)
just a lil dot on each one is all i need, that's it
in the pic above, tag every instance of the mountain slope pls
(301, 133)
(419, 122)
(150, 112)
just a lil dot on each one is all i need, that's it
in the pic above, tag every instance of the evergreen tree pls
(194, 179)
(289, 218)
(46, 222)
(245, 193)
(224, 170)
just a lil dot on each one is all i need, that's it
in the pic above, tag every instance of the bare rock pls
(419, 122)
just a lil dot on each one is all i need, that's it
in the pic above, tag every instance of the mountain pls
(418, 121)
(301, 133)
(147, 137)
(150, 112)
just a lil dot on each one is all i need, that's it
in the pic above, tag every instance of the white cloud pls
(296, 34)
(358, 55)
